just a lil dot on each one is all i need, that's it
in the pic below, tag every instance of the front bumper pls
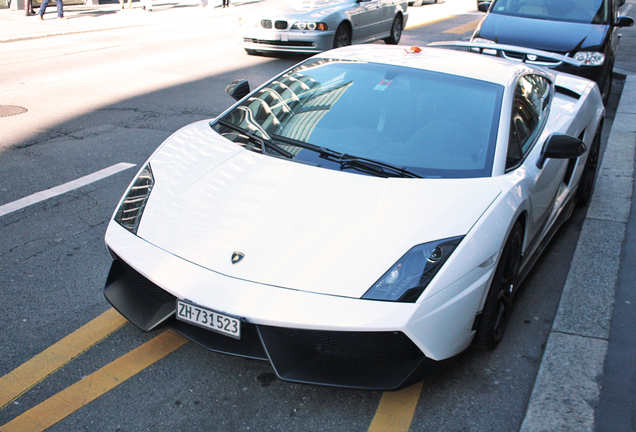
(368, 360)
(307, 42)
(307, 337)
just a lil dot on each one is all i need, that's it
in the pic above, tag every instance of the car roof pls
(471, 65)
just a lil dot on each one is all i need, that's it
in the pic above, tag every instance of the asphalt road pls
(100, 99)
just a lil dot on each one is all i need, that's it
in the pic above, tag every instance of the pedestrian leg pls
(60, 9)
(28, 8)
(42, 9)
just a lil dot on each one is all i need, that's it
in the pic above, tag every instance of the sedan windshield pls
(373, 119)
(580, 11)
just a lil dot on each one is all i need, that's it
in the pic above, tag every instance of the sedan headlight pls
(407, 279)
(132, 207)
(309, 25)
(590, 58)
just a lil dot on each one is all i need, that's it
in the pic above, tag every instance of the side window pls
(529, 110)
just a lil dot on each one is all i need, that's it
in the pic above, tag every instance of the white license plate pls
(273, 36)
(209, 319)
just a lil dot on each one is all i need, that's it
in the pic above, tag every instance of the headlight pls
(132, 207)
(407, 279)
(309, 25)
(590, 58)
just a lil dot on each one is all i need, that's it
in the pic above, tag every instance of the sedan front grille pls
(545, 61)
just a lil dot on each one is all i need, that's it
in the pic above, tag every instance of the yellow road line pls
(468, 27)
(396, 409)
(25, 376)
(72, 398)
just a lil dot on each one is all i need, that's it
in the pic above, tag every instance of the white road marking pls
(62, 189)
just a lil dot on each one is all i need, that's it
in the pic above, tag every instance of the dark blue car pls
(583, 29)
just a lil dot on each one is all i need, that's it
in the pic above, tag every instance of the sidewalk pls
(16, 26)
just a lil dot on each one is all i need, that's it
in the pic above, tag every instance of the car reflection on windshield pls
(373, 119)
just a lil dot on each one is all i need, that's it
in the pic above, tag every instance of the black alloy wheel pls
(396, 31)
(498, 306)
(342, 36)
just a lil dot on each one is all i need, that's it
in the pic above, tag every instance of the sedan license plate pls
(209, 319)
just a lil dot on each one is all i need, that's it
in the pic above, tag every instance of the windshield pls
(429, 124)
(580, 11)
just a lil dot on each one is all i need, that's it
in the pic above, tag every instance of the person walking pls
(60, 9)
(121, 3)
(226, 3)
(28, 9)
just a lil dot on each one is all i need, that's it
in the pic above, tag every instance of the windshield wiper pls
(255, 138)
(323, 151)
(345, 160)
(375, 167)
(371, 166)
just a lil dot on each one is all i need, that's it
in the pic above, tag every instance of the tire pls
(342, 36)
(396, 31)
(251, 51)
(498, 306)
(607, 88)
(588, 177)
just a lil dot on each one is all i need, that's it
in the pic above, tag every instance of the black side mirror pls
(624, 21)
(561, 146)
(483, 7)
(238, 89)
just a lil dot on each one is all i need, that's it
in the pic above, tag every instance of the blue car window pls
(581, 11)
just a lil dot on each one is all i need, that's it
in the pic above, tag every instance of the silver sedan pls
(301, 26)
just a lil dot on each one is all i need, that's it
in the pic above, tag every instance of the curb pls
(567, 387)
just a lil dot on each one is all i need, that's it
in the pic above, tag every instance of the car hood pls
(299, 227)
(287, 9)
(555, 36)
